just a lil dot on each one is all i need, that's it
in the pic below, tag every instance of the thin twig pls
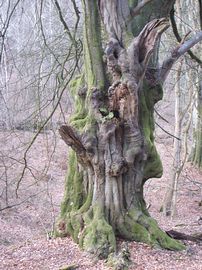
(175, 54)
(167, 132)
(17, 204)
(41, 128)
(161, 116)
(179, 39)
(6, 25)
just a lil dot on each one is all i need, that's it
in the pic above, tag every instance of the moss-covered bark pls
(111, 134)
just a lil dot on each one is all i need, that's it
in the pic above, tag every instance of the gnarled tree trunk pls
(111, 133)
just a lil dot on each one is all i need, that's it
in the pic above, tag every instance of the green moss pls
(130, 229)
(83, 118)
(79, 118)
(153, 167)
(69, 227)
(157, 236)
(148, 98)
(138, 232)
(73, 196)
(98, 236)
(75, 201)
(77, 224)
(85, 222)
(87, 203)
(142, 228)
(94, 70)
(75, 84)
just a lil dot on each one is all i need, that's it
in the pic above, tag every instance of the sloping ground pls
(26, 229)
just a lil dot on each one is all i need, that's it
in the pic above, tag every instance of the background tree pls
(39, 55)
(187, 104)
(111, 133)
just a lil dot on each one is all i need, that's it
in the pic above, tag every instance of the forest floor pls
(25, 230)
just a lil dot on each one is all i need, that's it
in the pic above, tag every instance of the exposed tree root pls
(95, 235)
(142, 228)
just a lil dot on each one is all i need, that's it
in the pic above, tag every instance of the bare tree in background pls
(187, 106)
(40, 50)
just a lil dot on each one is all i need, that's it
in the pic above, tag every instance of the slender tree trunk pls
(196, 155)
(179, 158)
(111, 134)
(169, 206)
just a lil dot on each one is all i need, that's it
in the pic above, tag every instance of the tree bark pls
(169, 206)
(196, 155)
(111, 134)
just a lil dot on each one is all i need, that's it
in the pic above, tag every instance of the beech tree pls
(111, 133)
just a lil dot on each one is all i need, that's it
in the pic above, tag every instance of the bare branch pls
(25, 200)
(77, 13)
(64, 86)
(176, 53)
(165, 120)
(190, 43)
(6, 25)
(66, 28)
(167, 132)
(179, 39)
